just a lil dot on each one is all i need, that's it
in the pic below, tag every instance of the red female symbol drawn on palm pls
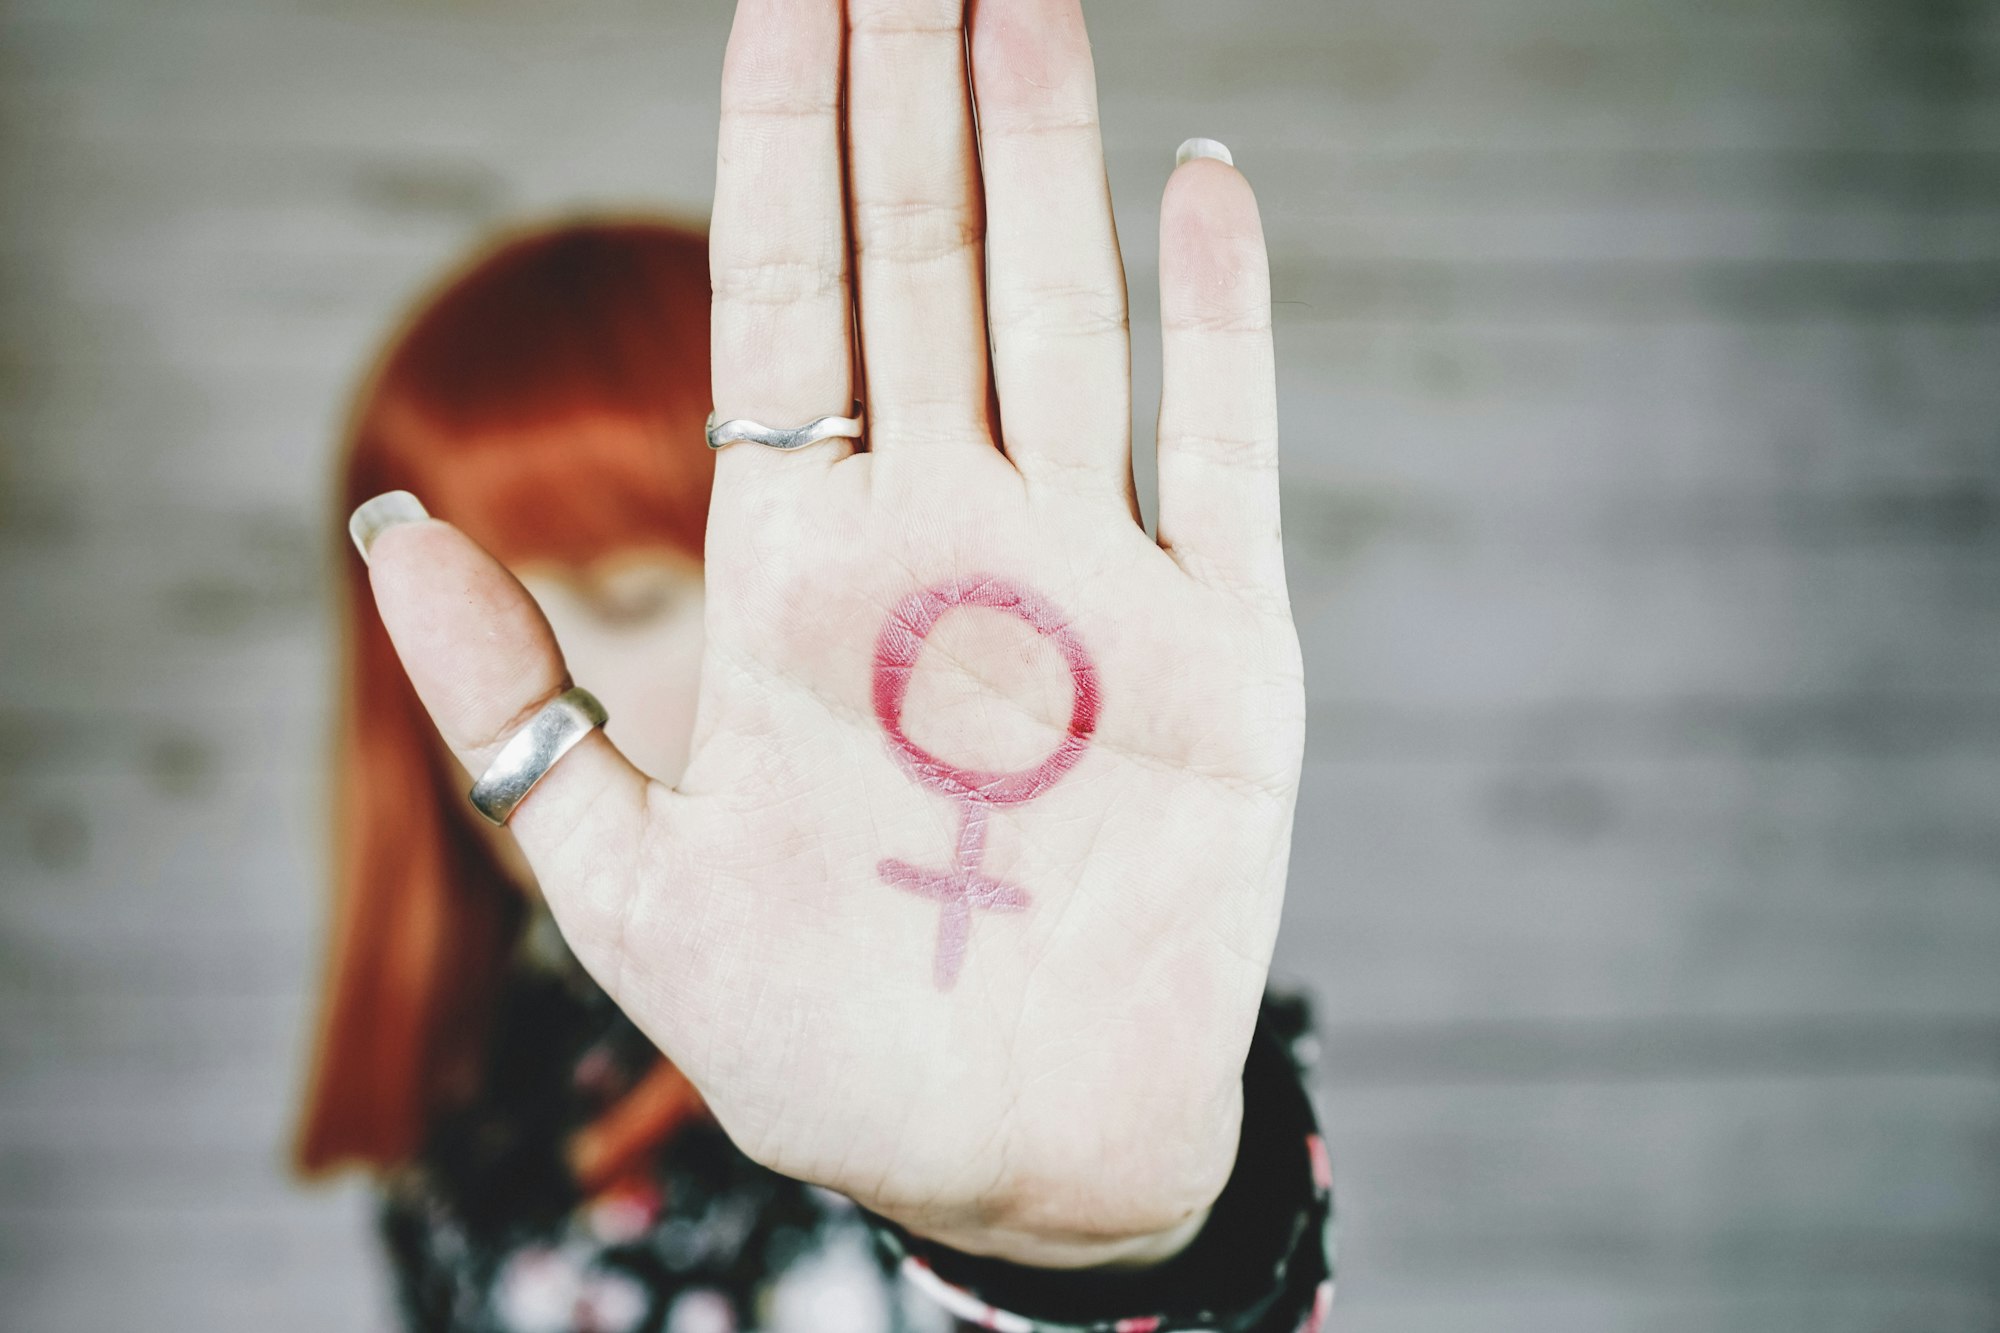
(962, 886)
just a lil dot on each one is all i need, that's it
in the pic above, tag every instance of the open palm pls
(964, 903)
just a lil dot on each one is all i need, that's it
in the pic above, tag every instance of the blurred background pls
(1641, 374)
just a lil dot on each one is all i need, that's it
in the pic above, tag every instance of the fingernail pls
(378, 515)
(1209, 148)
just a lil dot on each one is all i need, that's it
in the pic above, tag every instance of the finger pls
(916, 223)
(781, 343)
(1055, 296)
(1218, 438)
(482, 661)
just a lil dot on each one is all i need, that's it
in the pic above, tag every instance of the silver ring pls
(772, 437)
(532, 751)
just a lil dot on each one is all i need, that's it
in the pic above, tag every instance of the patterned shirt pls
(490, 1232)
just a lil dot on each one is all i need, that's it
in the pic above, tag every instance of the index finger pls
(781, 341)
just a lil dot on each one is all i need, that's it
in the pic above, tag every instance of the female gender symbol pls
(960, 887)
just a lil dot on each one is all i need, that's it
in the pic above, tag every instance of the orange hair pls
(549, 401)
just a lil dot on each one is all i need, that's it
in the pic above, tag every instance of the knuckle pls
(1076, 124)
(1231, 448)
(903, 18)
(778, 280)
(1220, 319)
(1060, 311)
(751, 108)
(484, 739)
(915, 230)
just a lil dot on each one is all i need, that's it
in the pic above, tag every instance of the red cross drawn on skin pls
(962, 886)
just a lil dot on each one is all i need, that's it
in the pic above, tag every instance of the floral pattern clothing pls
(488, 1232)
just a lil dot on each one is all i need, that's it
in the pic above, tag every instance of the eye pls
(638, 594)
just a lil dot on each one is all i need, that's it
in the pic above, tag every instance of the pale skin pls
(1073, 1097)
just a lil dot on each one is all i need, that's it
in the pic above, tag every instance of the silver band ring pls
(772, 437)
(532, 751)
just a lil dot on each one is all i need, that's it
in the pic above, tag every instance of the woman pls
(960, 904)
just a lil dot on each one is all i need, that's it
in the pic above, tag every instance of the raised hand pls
(965, 901)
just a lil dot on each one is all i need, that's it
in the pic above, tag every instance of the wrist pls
(1125, 1210)
(1260, 1260)
(1043, 1249)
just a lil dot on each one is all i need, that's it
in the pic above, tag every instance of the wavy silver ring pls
(532, 751)
(772, 437)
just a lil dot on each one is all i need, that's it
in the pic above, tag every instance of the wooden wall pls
(1642, 388)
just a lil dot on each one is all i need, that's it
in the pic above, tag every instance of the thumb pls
(483, 661)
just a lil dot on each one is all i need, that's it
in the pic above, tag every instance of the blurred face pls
(630, 629)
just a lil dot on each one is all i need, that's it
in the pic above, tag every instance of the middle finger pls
(918, 225)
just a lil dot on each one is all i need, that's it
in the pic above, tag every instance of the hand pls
(1009, 1012)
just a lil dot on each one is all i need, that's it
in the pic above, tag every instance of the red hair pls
(549, 401)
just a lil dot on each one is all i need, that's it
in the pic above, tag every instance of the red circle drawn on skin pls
(902, 641)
